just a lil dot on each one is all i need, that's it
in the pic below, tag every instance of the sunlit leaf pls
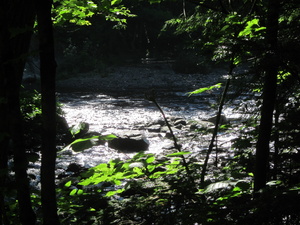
(86, 143)
(252, 29)
(108, 137)
(111, 193)
(101, 166)
(274, 183)
(200, 90)
(150, 168)
(73, 192)
(236, 189)
(178, 154)
(68, 184)
(150, 159)
(114, 2)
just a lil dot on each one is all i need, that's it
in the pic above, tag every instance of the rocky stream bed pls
(116, 104)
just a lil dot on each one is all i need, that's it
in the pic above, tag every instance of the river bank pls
(138, 78)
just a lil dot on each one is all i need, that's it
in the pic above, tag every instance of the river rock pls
(199, 125)
(74, 167)
(213, 119)
(181, 121)
(129, 141)
(154, 128)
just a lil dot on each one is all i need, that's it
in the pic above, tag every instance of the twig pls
(215, 132)
(151, 96)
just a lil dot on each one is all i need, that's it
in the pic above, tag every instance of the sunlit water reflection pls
(117, 109)
(107, 114)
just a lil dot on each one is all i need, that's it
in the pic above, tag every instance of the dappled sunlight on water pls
(110, 114)
(122, 106)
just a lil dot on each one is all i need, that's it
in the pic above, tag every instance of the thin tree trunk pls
(269, 98)
(48, 72)
(215, 132)
(216, 129)
(276, 143)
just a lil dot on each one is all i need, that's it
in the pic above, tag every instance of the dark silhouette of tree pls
(47, 72)
(15, 39)
(16, 29)
(15, 35)
(269, 96)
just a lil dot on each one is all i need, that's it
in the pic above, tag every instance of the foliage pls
(31, 104)
(148, 190)
(79, 12)
(200, 90)
(85, 143)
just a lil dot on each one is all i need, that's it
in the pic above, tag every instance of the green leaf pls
(101, 167)
(235, 189)
(158, 174)
(200, 90)
(274, 183)
(68, 184)
(84, 143)
(178, 154)
(251, 29)
(79, 192)
(138, 170)
(85, 182)
(111, 193)
(150, 159)
(108, 137)
(73, 192)
(151, 167)
(114, 2)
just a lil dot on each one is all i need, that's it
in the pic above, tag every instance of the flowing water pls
(121, 105)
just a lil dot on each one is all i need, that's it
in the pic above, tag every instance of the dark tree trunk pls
(16, 29)
(269, 97)
(48, 71)
(4, 136)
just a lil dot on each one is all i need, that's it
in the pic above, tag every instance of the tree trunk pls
(269, 97)
(48, 72)
(4, 136)
(16, 29)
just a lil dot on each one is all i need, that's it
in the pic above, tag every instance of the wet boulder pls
(223, 119)
(154, 128)
(129, 141)
(179, 123)
(200, 125)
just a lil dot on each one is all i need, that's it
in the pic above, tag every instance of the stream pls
(116, 103)
(123, 107)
